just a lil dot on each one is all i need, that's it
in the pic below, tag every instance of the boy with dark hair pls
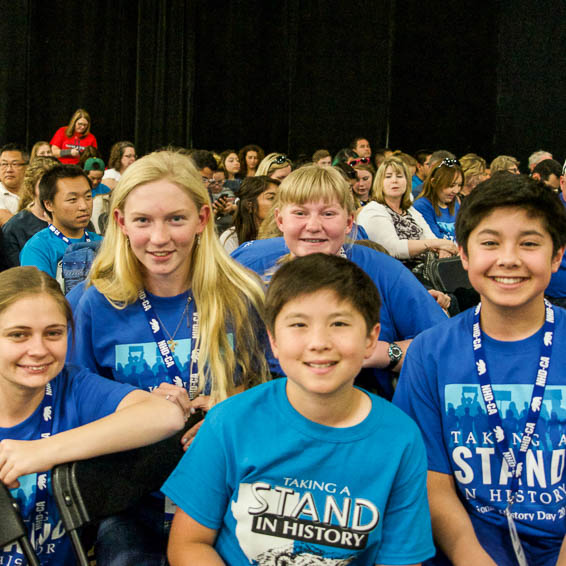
(487, 387)
(320, 472)
(66, 195)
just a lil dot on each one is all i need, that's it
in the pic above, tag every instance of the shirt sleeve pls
(424, 206)
(58, 138)
(417, 395)
(407, 532)
(428, 234)
(379, 226)
(39, 253)
(199, 485)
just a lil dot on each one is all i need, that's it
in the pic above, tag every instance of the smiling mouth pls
(35, 368)
(509, 280)
(160, 254)
(313, 240)
(320, 365)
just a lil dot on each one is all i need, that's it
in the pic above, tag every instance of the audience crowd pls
(359, 407)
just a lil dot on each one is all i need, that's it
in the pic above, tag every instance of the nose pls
(36, 346)
(313, 223)
(160, 234)
(319, 339)
(508, 256)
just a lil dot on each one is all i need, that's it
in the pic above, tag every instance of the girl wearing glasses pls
(71, 140)
(438, 201)
(392, 221)
(168, 311)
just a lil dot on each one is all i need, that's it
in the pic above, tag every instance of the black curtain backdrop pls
(290, 75)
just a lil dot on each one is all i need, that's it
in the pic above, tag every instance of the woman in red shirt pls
(69, 141)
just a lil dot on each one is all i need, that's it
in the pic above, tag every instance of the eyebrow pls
(338, 314)
(23, 327)
(523, 233)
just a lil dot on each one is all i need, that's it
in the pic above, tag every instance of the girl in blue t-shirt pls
(51, 413)
(438, 201)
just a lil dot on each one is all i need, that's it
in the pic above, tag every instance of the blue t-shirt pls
(79, 397)
(439, 388)
(45, 250)
(316, 495)
(406, 310)
(557, 286)
(443, 226)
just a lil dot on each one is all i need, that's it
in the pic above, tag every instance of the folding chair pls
(91, 490)
(12, 528)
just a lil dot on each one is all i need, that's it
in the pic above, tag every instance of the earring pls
(198, 240)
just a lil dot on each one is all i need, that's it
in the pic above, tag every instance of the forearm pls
(451, 525)
(5, 215)
(195, 554)
(140, 419)
(562, 556)
(417, 247)
(56, 150)
(380, 357)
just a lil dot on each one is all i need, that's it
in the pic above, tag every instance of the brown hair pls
(79, 113)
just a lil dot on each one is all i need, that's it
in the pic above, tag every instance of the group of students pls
(305, 467)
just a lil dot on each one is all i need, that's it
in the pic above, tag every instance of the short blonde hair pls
(503, 163)
(268, 164)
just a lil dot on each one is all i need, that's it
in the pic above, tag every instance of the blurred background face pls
(128, 157)
(232, 164)
(12, 170)
(44, 151)
(363, 148)
(252, 159)
(363, 183)
(81, 125)
(265, 201)
(95, 177)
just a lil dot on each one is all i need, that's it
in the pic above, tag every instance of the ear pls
(371, 341)
(120, 220)
(48, 205)
(463, 257)
(349, 223)
(557, 259)
(273, 344)
(536, 176)
(204, 217)
(278, 219)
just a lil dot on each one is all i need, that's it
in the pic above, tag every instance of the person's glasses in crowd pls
(280, 159)
(11, 164)
(359, 161)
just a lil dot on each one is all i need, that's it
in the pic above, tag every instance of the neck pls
(394, 204)
(251, 172)
(13, 190)
(16, 404)
(74, 233)
(345, 408)
(37, 210)
(509, 323)
(167, 285)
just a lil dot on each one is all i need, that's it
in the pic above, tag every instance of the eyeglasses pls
(358, 161)
(449, 162)
(280, 159)
(13, 164)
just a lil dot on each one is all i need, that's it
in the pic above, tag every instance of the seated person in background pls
(362, 188)
(69, 142)
(393, 222)
(41, 149)
(380, 154)
(275, 165)
(437, 156)
(256, 197)
(423, 166)
(31, 217)
(504, 163)
(474, 170)
(66, 196)
(361, 146)
(438, 203)
(315, 213)
(122, 155)
(257, 501)
(548, 171)
(536, 157)
(487, 387)
(94, 168)
(250, 157)
(13, 162)
(322, 158)
(51, 413)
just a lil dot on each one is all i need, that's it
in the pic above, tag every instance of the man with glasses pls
(13, 161)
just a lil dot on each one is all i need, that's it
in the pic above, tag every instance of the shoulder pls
(38, 240)
(259, 255)
(376, 264)
(400, 426)
(111, 174)
(371, 209)
(422, 204)
(445, 339)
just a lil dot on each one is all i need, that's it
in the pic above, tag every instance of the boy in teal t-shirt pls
(308, 469)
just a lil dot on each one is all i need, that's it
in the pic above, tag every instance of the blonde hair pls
(268, 164)
(399, 166)
(34, 172)
(502, 163)
(222, 289)
(473, 167)
(36, 147)
(312, 183)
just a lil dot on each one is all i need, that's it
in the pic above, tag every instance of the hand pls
(441, 298)
(75, 152)
(447, 246)
(177, 395)
(220, 206)
(21, 457)
(203, 403)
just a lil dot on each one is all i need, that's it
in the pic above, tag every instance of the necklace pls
(171, 342)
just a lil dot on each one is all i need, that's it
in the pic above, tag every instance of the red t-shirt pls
(74, 142)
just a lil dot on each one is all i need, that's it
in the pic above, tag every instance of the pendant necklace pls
(171, 342)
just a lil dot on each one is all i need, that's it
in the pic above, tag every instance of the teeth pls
(313, 241)
(326, 365)
(160, 254)
(508, 280)
(35, 368)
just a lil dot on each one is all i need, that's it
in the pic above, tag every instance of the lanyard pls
(63, 237)
(493, 415)
(173, 371)
(40, 512)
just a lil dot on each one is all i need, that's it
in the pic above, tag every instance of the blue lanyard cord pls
(172, 369)
(494, 417)
(63, 237)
